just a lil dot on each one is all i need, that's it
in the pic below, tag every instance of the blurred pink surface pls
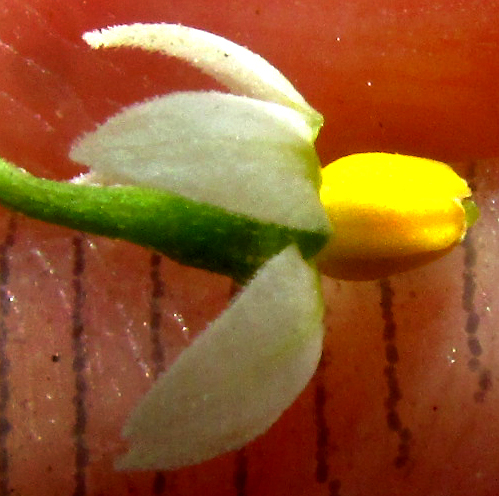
(405, 402)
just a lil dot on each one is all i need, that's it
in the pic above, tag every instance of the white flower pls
(230, 182)
(251, 153)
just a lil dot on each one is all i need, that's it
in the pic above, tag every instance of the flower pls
(232, 183)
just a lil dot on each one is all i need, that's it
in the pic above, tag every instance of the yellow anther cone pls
(389, 213)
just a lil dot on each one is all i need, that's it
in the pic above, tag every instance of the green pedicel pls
(193, 233)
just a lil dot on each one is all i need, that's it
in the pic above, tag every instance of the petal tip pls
(93, 38)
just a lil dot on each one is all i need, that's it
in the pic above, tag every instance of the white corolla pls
(231, 182)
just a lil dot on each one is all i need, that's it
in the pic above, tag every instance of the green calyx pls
(193, 233)
(471, 210)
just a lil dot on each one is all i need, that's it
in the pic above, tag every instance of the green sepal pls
(472, 212)
(192, 233)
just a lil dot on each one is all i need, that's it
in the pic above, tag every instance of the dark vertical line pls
(157, 354)
(334, 487)
(323, 443)
(394, 393)
(5, 425)
(241, 463)
(468, 301)
(159, 484)
(322, 431)
(79, 364)
(157, 293)
(473, 321)
(241, 473)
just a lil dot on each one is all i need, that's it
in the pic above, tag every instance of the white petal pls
(240, 70)
(238, 377)
(250, 157)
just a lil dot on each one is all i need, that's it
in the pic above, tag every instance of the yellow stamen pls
(390, 207)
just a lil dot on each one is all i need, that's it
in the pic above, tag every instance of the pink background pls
(416, 77)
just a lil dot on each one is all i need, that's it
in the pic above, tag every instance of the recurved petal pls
(240, 70)
(239, 376)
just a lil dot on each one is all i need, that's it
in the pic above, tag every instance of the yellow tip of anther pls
(390, 207)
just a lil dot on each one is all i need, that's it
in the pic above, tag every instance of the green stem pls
(193, 233)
